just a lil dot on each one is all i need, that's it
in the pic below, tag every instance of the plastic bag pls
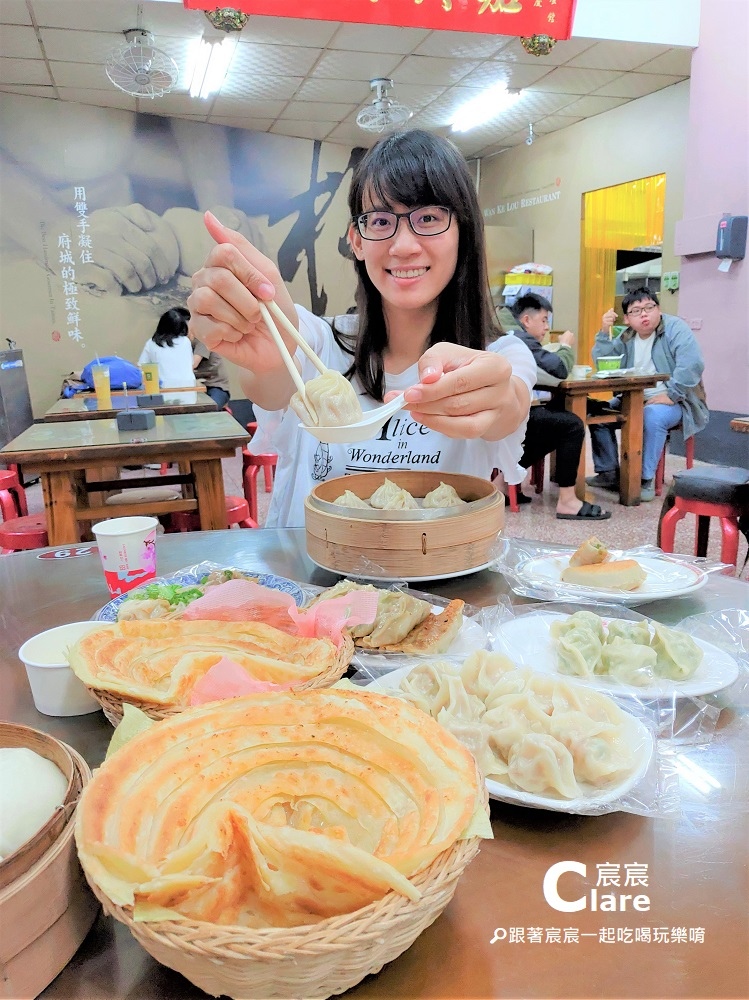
(120, 371)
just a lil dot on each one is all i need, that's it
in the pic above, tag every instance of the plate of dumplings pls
(541, 741)
(617, 655)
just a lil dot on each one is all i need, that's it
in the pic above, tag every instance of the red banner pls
(492, 17)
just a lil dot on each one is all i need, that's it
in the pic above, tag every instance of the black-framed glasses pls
(648, 308)
(429, 221)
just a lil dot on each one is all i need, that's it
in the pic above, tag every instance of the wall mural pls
(102, 223)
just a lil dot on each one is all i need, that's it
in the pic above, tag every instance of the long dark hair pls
(172, 324)
(416, 168)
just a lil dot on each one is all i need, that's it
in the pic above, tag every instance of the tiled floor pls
(627, 528)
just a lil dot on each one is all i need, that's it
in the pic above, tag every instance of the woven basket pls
(314, 961)
(111, 703)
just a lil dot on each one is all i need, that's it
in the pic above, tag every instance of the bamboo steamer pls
(46, 907)
(408, 545)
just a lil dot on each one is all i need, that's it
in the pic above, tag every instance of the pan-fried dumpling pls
(629, 631)
(678, 655)
(340, 589)
(592, 551)
(331, 401)
(578, 652)
(443, 496)
(387, 496)
(580, 619)
(349, 499)
(539, 764)
(397, 614)
(629, 662)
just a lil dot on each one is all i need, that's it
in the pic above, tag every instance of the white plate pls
(596, 801)
(527, 641)
(665, 578)
(615, 372)
(409, 579)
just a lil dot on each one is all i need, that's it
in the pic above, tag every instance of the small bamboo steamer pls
(46, 908)
(455, 541)
(112, 702)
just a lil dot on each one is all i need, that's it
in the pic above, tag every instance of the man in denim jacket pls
(652, 342)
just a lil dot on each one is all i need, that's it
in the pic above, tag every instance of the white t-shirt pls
(403, 443)
(175, 362)
(644, 363)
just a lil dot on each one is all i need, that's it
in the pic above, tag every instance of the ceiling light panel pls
(378, 38)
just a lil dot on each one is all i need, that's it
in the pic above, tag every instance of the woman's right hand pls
(609, 318)
(224, 311)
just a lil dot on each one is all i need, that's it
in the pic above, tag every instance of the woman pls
(424, 326)
(171, 350)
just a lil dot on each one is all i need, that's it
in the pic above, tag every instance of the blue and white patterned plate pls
(188, 578)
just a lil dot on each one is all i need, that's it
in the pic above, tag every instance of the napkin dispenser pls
(136, 420)
(154, 399)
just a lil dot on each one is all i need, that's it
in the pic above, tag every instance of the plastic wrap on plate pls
(728, 630)
(534, 569)
(542, 742)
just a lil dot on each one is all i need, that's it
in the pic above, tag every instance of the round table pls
(499, 937)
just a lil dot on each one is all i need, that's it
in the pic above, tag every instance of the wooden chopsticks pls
(266, 310)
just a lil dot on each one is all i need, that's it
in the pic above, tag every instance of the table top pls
(695, 858)
(84, 406)
(91, 439)
(740, 424)
(611, 383)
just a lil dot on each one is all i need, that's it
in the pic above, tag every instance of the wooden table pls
(84, 405)
(696, 855)
(63, 454)
(632, 390)
(740, 424)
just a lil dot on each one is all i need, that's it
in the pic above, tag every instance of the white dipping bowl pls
(55, 688)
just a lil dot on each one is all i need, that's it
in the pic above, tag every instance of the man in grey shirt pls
(211, 369)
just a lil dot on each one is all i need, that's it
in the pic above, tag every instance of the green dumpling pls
(638, 632)
(678, 655)
(629, 662)
(578, 652)
(580, 619)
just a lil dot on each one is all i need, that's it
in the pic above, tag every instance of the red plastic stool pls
(710, 492)
(9, 482)
(660, 472)
(29, 532)
(251, 465)
(237, 512)
(252, 427)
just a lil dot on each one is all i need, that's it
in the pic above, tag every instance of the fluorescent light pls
(483, 108)
(209, 64)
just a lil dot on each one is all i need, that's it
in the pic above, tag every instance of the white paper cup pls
(580, 371)
(127, 546)
(55, 688)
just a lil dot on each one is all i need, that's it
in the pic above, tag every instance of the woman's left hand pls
(464, 393)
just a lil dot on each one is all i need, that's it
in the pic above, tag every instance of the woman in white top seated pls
(424, 325)
(171, 349)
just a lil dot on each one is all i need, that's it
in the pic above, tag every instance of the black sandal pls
(588, 512)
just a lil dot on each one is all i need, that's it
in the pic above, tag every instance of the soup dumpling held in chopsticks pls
(330, 401)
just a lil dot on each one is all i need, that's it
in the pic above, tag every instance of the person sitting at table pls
(212, 371)
(653, 342)
(550, 427)
(424, 327)
(171, 350)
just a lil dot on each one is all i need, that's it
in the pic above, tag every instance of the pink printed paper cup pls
(127, 546)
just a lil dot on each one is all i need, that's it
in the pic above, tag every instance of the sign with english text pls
(492, 17)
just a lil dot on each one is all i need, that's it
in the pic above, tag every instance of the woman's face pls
(409, 271)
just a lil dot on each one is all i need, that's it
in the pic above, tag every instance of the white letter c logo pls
(551, 879)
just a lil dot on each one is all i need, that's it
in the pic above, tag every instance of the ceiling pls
(310, 78)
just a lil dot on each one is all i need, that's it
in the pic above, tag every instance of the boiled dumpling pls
(579, 652)
(389, 496)
(580, 619)
(331, 401)
(678, 655)
(539, 764)
(397, 614)
(482, 669)
(629, 662)
(598, 750)
(443, 496)
(638, 632)
(349, 499)
(31, 789)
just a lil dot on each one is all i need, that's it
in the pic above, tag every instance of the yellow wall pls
(638, 139)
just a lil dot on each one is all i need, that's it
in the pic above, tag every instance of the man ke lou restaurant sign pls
(491, 17)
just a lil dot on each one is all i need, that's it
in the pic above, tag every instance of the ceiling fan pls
(384, 113)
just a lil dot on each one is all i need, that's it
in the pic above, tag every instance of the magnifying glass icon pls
(500, 934)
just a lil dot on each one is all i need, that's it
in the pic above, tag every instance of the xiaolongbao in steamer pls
(389, 496)
(31, 789)
(629, 662)
(444, 495)
(349, 499)
(638, 632)
(539, 764)
(331, 401)
(678, 655)
(578, 652)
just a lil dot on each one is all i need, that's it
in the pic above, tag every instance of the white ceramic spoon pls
(363, 429)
